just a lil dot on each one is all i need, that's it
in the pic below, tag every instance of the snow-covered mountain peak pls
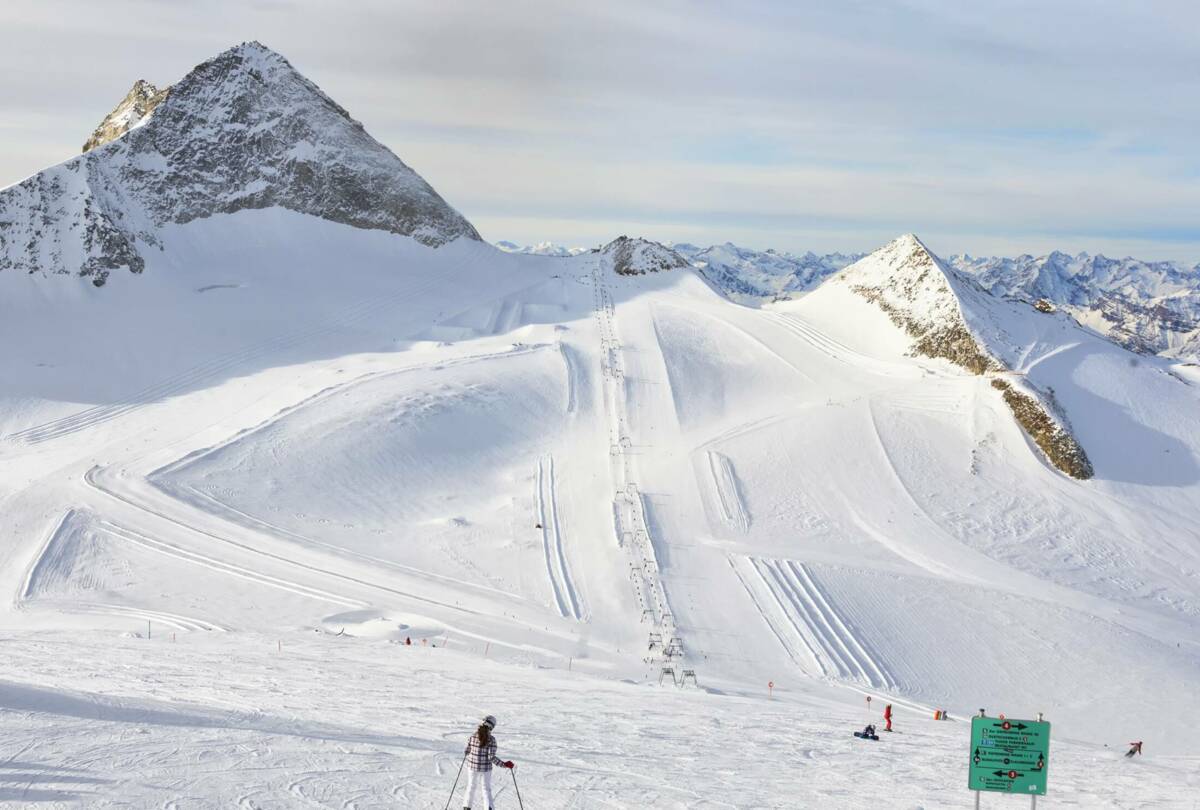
(133, 110)
(905, 254)
(635, 256)
(243, 130)
(923, 295)
(949, 316)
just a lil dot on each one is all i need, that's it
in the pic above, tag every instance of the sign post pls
(1009, 756)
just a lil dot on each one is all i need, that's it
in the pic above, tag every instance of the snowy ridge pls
(242, 130)
(928, 300)
(949, 316)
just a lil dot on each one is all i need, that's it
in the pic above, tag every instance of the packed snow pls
(290, 445)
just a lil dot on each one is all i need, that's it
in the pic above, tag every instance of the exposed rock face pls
(242, 130)
(633, 257)
(947, 314)
(132, 110)
(1053, 437)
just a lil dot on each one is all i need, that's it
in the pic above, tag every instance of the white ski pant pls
(477, 780)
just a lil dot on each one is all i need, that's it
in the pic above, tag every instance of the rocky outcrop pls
(1052, 435)
(133, 110)
(242, 130)
(944, 313)
(634, 257)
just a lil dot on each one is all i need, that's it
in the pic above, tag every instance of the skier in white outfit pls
(481, 756)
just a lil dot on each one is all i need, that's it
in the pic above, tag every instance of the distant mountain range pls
(1149, 307)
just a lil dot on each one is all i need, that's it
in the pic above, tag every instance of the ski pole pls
(520, 803)
(456, 778)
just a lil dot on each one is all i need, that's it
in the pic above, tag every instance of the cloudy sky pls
(990, 126)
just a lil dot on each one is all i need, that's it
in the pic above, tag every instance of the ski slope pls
(292, 444)
(340, 722)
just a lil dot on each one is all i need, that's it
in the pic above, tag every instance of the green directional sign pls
(1009, 756)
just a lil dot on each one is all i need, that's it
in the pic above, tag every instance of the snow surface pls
(290, 444)
(1149, 307)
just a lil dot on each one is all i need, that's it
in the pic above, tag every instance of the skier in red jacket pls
(887, 717)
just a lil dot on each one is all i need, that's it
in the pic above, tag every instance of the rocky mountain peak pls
(634, 257)
(242, 130)
(949, 316)
(924, 296)
(137, 105)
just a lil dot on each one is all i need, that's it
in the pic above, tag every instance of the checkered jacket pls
(482, 757)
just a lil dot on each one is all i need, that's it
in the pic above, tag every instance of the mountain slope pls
(949, 316)
(556, 461)
(243, 130)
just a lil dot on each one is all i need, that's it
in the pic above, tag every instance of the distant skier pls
(1134, 748)
(887, 717)
(481, 756)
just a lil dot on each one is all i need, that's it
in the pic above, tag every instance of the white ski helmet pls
(489, 721)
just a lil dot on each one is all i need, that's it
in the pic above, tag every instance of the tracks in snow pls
(808, 624)
(220, 566)
(840, 351)
(173, 620)
(729, 493)
(566, 600)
